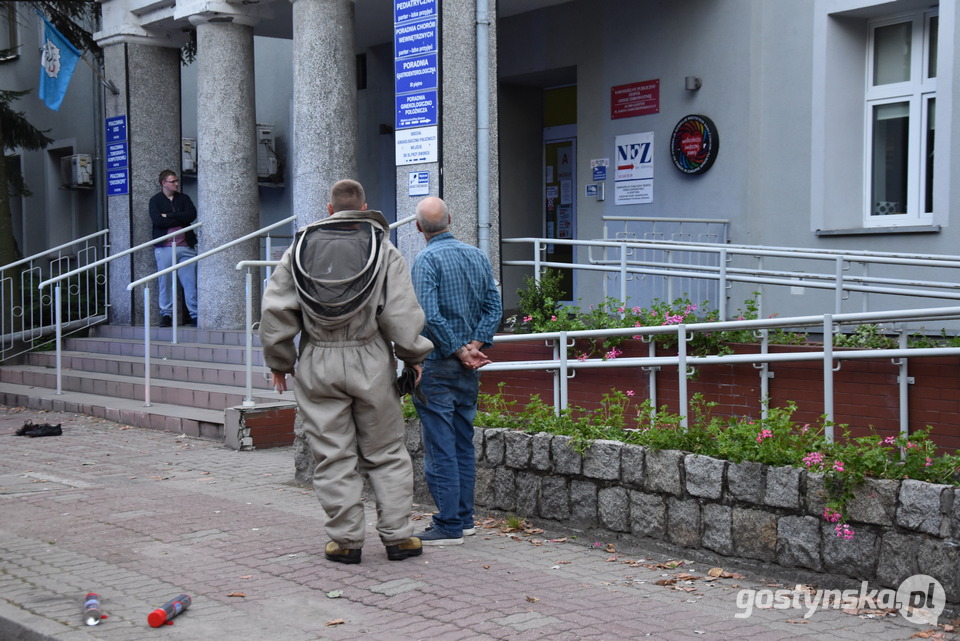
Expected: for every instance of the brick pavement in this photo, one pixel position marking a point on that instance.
(141, 516)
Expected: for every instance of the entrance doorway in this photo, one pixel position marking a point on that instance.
(559, 198)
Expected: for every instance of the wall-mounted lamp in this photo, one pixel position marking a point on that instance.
(691, 83)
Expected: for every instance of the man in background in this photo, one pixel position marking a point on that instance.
(458, 294)
(170, 210)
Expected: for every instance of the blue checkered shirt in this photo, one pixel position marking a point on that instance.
(456, 289)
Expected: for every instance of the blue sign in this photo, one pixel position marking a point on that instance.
(416, 74)
(415, 38)
(406, 10)
(118, 182)
(116, 128)
(417, 109)
(117, 155)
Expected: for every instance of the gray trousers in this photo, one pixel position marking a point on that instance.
(353, 424)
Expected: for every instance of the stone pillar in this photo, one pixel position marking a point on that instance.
(325, 128)
(148, 79)
(228, 194)
(455, 178)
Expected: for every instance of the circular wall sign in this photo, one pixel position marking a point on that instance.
(694, 144)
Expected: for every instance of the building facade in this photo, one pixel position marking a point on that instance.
(829, 123)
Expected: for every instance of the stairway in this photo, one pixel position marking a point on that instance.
(197, 385)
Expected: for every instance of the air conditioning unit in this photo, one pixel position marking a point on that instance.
(266, 152)
(188, 147)
(76, 171)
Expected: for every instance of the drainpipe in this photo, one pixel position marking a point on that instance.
(483, 129)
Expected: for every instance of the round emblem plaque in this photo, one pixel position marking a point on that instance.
(694, 144)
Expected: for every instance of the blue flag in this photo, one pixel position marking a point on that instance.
(57, 60)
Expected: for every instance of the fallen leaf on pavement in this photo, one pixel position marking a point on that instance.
(335, 622)
(611, 548)
(333, 594)
(798, 621)
(236, 594)
(532, 599)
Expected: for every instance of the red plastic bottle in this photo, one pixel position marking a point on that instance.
(170, 609)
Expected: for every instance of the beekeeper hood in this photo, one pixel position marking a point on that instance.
(336, 264)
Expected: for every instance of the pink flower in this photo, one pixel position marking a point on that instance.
(676, 319)
(629, 392)
(637, 337)
(637, 310)
(831, 515)
(690, 308)
(838, 466)
(613, 353)
(887, 441)
(804, 429)
(553, 318)
(621, 309)
(928, 463)
(813, 458)
(582, 357)
(763, 434)
(911, 445)
(844, 531)
(527, 319)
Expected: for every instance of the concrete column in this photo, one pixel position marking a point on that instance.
(455, 177)
(325, 126)
(148, 79)
(228, 195)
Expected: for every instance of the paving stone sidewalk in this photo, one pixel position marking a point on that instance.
(140, 516)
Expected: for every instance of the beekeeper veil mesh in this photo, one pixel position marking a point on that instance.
(335, 265)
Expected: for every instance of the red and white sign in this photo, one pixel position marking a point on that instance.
(635, 99)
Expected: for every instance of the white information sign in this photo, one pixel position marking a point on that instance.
(634, 169)
(417, 145)
(418, 184)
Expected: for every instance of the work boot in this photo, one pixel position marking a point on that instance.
(334, 552)
(401, 551)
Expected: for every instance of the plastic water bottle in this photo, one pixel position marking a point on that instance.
(91, 609)
(170, 609)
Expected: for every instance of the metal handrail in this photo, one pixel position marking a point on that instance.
(173, 268)
(560, 364)
(249, 324)
(29, 271)
(725, 275)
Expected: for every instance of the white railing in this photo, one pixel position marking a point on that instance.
(28, 318)
(563, 367)
(76, 273)
(250, 326)
(172, 269)
(639, 270)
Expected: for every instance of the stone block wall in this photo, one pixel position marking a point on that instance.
(742, 510)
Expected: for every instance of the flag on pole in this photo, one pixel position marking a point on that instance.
(57, 61)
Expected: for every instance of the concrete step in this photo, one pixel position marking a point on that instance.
(193, 421)
(174, 391)
(182, 371)
(196, 388)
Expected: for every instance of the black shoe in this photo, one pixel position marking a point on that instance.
(401, 551)
(192, 322)
(27, 427)
(45, 430)
(166, 321)
(334, 552)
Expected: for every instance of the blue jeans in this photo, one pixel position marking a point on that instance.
(187, 276)
(449, 460)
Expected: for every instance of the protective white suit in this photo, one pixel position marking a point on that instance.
(348, 290)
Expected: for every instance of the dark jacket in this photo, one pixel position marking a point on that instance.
(180, 212)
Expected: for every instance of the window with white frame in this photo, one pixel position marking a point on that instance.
(901, 100)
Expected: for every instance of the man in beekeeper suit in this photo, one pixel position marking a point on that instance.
(346, 290)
